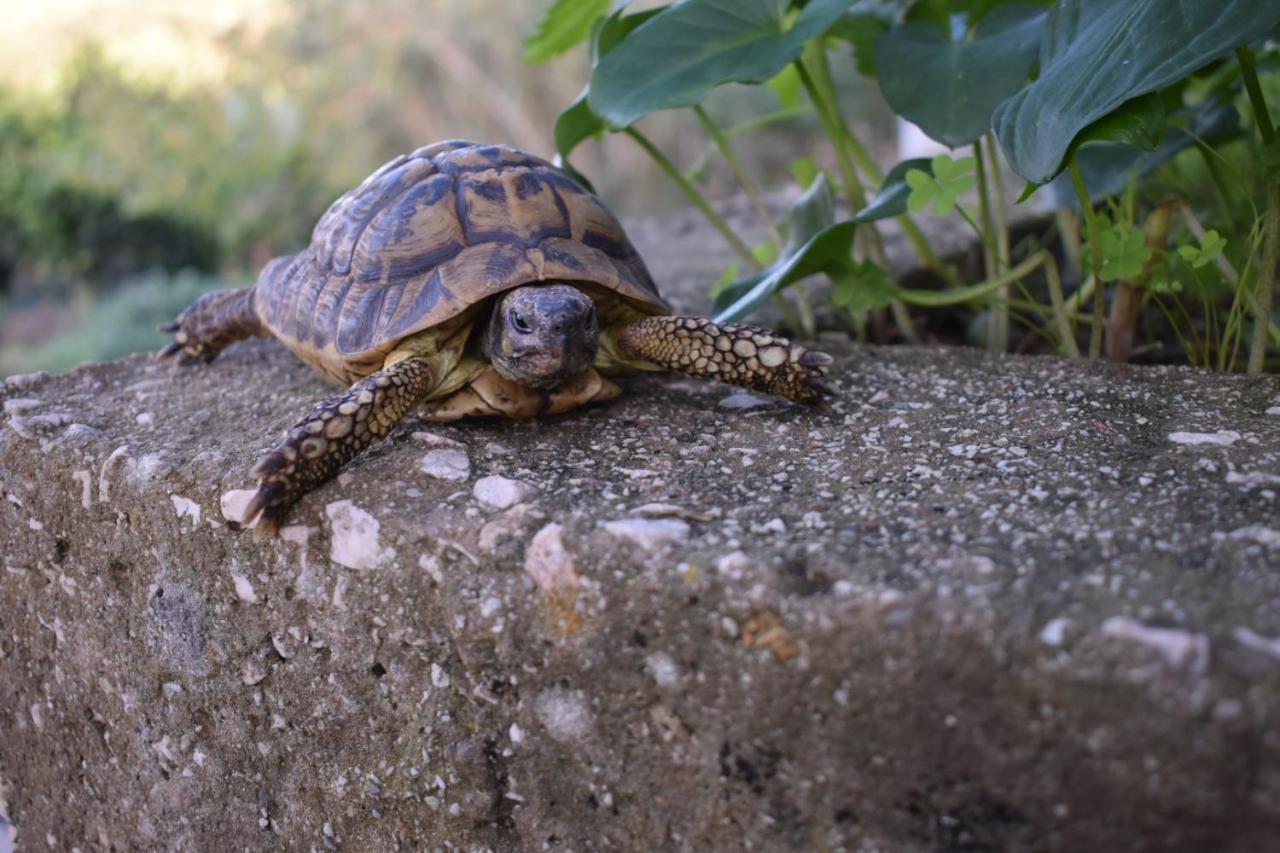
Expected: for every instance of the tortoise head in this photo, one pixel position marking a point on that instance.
(540, 335)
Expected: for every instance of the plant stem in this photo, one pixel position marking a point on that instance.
(851, 185)
(1095, 258)
(1271, 224)
(845, 136)
(956, 295)
(1266, 279)
(1126, 305)
(1066, 332)
(735, 165)
(716, 220)
(984, 212)
(1001, 213)
(999, 337)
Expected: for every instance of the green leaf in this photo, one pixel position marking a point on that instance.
(949, 180)
(1211, 246)
(788, 88)
(862, 27)
(565, 24)
(865, 287)
(1097, 54)
(1109, 167)
(827, 251)
(891, 199)
(804, 170)
(949, 86)
(579, 122)
(811, 212)
(1139, 122)
(1124, 250)
(691, 47)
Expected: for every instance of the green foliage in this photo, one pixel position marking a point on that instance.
(950, 178)
(1124, 250)
(566, 24)
(1209, 250)
(1097, 54)
(948, 83)
(111, 325)
(865, 287)
(892, 197)
(689, 48)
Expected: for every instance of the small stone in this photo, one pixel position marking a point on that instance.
(234, 503)
(447, 464)
(741, 400)
(439, 677)
(355, 537)
(1054, 631)
(1222, 438)
(146, 419)
(20, 405)
(651, 534)
(499, 492)
(253, 672)
(564, 714)
(244, 588)
(548, 562)
(517, 734)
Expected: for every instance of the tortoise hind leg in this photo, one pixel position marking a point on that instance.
(333, 434)
(212, 322)
(739, 354)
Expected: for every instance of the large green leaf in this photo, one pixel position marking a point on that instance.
(827, 251)
(579, 122)
(949, 86)
(862, 26)
(680, 55)
(1097, 54)
(891, 199)
(566, 23)
(1108, 167)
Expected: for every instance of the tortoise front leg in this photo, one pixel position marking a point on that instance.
(210, 323)
(739, 354)
(335, 431)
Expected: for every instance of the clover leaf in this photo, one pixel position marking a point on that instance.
(1211, 246)
(1124, 250)
(950, 178)
(865, 286)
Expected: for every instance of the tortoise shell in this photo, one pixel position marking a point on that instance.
(431, 234)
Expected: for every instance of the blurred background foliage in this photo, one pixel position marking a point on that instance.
(149, 149)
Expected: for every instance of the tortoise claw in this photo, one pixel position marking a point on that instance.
(167, 328)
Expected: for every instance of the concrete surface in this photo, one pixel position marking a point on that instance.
(980, 604)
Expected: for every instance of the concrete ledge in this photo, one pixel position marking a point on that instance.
(1004, 604)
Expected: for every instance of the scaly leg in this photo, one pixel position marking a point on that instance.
(738, 354)
(335, 431)
(210, 323)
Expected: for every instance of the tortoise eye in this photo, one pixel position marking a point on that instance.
(519, 323)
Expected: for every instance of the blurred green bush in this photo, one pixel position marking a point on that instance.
(108, 325)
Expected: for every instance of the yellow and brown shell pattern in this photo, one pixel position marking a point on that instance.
(432, 233)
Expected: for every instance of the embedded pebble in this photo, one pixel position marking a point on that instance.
(650, 534)
(1259, 643)
(1222, 438)
(740, 400)
(547, 561)
(244, 589)
(186, 508)
(20, 405)
(146, 419)
(664, 669)
(1178, 648)
(234, 503)
(564, 714)
(1054, 631)
(449, 464)
(499, 492)
(355, 537)
(1259, 533)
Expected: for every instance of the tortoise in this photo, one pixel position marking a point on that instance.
(467, 280)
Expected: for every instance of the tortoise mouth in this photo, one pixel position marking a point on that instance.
(541, 335)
